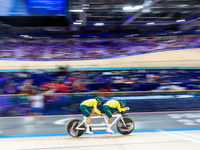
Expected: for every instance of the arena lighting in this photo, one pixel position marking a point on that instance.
(133, 8)
(76, 10)
(85, 7)
(168, 23)
(128, 8)
(149, 23)
(77, 23)
(180, 20)
(26, 36)
(99, 24)
(183, 5)
(146, 11)
(79, 20)
(138, 7)
(85, 4)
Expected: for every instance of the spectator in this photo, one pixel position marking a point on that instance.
(166, 86)
(26, 86)
(37, 105)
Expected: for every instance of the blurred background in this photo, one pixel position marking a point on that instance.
(144, 51)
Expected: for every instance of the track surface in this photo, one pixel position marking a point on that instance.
(161, 130)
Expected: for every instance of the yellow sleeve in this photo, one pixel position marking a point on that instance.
(95, 108)
(119, 108)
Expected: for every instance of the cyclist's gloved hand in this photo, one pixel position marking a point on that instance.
(127, 108)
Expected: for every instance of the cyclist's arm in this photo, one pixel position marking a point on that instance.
(95, 108)
(119, 108)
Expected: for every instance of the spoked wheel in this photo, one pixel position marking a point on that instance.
(130, 126)
(71, 128)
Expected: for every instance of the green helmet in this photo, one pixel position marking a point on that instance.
(122, 102)
(99, 99)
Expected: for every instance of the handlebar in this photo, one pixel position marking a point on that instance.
(123, 114)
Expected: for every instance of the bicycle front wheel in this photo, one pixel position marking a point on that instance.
(125, 130)
(71, 128)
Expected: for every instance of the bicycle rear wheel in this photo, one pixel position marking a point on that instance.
(125, 130)
(71, 128)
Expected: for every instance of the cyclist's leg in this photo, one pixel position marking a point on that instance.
(91, 110)
(108, 112)
(113, 111)
(87, 112)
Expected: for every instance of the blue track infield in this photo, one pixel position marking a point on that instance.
(96, 132)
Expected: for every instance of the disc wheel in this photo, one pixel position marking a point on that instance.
(125, 130)
(71, 128)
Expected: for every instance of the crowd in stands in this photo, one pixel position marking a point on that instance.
(99, 81)
(63, 90)
(89, 48)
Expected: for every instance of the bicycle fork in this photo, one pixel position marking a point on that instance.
(123, 121)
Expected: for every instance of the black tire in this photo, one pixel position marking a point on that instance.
(130, 126)
(71, 128)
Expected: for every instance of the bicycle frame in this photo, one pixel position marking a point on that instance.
(118, 116)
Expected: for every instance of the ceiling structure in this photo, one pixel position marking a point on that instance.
(123, 18)
(132, 12)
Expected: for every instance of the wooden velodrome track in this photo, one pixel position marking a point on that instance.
(175, 58)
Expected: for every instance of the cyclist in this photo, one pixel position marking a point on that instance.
(89, 108)
(110, 109)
